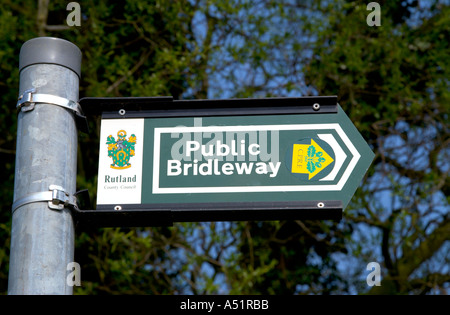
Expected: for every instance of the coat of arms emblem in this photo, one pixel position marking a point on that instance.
(121, 150)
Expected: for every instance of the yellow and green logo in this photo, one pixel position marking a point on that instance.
(308, 159)
(121, 150)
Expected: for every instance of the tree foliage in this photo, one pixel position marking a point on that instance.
(391, 80)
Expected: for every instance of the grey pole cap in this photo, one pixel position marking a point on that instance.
(50, 50)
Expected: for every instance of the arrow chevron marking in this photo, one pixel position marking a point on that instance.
(340, 155)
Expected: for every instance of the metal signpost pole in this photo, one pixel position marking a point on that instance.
(42, 237)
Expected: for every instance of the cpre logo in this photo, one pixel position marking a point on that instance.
(310, 158)
(121, 150)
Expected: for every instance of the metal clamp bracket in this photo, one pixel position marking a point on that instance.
(57, 198)
(29, 98)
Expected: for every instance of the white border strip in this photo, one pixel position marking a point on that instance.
(339, 157)
(234, 189)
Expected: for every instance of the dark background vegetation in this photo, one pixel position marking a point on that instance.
(392, 81)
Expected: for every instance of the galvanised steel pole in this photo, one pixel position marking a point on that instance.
(42, 237)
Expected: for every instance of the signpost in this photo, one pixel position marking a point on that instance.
(43, 234)
(241, 159)
(163, 161)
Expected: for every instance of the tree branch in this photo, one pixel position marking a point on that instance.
(414, 257)
(42, 14)
(141, 61)
(55, 28)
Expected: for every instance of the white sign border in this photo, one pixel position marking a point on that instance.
(235, 189)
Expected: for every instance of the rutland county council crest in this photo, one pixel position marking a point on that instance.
(121, 150)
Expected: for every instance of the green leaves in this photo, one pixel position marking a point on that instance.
(385, 77)
(379, 75)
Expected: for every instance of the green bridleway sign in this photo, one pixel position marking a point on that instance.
(244, 159)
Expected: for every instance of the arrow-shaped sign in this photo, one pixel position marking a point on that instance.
(287, 154)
